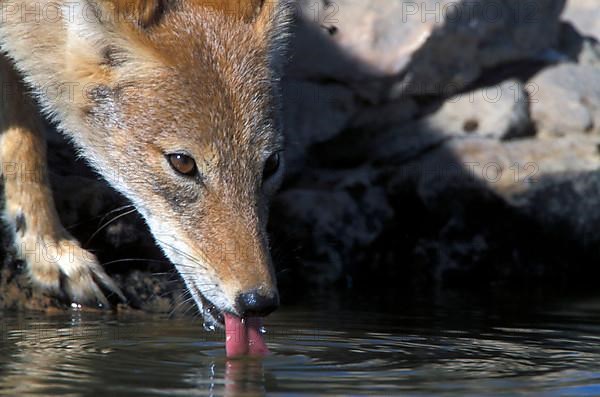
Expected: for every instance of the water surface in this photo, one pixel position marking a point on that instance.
(452, 350)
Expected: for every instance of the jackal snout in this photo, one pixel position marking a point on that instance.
(214, 229)
(232, 242)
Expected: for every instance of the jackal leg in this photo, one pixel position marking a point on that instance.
(55, 259)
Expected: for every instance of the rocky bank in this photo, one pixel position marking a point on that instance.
(429, 143)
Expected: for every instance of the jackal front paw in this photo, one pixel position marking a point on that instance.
(61, 266)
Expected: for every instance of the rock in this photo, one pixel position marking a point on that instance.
(565, 99)
(438, 47)
(331, 225)
(486, 200)
(590, 53)
(392, 144)
(567, 206)
(585, 15)
(396, 112)
(497, 112)
(500, 111)
(475, 35)
(579, 49)
(313, 113)
(363, 52)
(508, 169)
(379, 36)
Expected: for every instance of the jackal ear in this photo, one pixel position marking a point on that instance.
(143, 13)
(272, 22)
(271, 15)
(246, 10)
(101, 35)
(263, 13)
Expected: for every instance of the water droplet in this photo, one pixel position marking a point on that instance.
(262, 330)
(209, 326)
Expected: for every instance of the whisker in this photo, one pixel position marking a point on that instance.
(283, 271)
(103, 216)
(191, 307)
(134, 260)
(177, 308)
(169, 273)
(190, 301)
(108, 223)
(184, 254)
(124, 207)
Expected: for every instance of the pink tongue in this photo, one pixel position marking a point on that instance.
(243, 336)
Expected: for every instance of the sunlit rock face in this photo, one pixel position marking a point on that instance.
(584, 15)
(424, 47)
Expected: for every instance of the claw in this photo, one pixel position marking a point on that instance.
(104, 280)
(86, 292)
(78, 277)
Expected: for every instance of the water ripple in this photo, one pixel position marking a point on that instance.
(313, 353)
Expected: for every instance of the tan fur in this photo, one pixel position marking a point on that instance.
(137, 80)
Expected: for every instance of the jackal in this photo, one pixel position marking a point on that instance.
(179, 96)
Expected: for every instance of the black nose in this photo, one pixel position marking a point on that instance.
(255, 303)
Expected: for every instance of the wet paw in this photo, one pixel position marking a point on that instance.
(61, 266)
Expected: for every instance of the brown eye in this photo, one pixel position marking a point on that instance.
(271, 165)
(182, 163)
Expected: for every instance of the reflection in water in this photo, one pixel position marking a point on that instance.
(241, 377)
(450, 352)
(244, 377)
(38, 353)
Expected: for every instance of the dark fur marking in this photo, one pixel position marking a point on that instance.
(178, 195)
(156, 16)
(103, 94)
(111, 57)
(100, 93)
(101, 102)
(21, 223)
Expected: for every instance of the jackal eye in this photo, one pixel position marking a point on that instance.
(271, 165)
(182, 163)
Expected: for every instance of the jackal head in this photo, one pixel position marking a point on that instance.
(174, 103)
